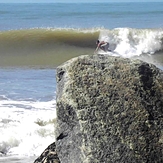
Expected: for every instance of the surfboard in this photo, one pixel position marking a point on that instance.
(111, 53)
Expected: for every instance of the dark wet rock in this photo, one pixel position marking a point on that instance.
(49, 155)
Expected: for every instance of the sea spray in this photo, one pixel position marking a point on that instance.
(133, 42)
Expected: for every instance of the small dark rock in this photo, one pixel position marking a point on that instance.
(49, 155)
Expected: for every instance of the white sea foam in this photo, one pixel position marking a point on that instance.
(133, 42)
(26, 132)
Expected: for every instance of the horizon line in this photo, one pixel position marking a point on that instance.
(86, 2)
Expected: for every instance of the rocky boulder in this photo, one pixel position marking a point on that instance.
(110, 110)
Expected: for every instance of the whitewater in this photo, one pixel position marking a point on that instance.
(27, 112)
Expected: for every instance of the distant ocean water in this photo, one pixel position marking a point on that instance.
(35, 38)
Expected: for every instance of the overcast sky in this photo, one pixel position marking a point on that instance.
(68, 1)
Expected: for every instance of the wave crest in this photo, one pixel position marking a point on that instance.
(53, 46)
(134, 42)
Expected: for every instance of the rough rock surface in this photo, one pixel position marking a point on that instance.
(49, 155)
(110, 110)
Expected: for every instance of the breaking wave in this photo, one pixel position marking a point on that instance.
(48, 46)
(134, 42)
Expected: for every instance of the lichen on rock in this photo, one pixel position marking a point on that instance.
(111, 110)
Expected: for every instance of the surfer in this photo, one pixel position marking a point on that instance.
(102, 45)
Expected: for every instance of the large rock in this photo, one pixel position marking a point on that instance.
(110, 110)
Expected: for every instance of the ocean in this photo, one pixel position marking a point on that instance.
(36, 38)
